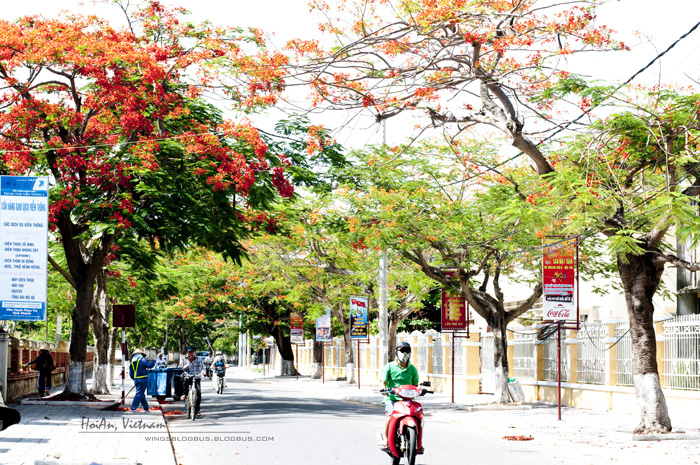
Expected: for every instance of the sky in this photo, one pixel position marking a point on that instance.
(661, 22)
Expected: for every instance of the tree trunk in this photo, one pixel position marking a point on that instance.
(393, 325)
(500, 357)
(640, 278)
(349, 355)
(75, 382)
(114, 335)
(99, 322)
(286, 351)
(316, 363)
(165, 342)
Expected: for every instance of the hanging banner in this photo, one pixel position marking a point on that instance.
(323, 328)
(358, 318)
(296, 323)
(558, 278)
(24, 229)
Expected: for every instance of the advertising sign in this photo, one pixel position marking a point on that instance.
(358, 318)
(323, 327)
(454, 310)
(24, 229)
(296, 323)
(558, 276)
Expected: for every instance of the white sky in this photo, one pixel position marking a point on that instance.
(662, 21)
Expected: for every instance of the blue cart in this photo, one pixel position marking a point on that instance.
(163, 383)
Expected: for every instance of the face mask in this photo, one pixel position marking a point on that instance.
(403, 357)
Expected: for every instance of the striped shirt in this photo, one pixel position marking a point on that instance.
(195, 367)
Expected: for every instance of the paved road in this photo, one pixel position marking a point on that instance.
(293, 423)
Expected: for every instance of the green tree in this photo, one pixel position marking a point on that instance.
(635, 178)
(112, 116)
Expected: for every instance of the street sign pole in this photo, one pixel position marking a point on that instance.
(559, 367)
(123, 361)
(123, 316)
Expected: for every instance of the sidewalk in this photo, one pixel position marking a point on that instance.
(56, 433)
(582, 436)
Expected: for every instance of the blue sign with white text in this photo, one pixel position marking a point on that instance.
(24, 220)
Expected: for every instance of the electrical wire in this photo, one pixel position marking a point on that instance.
(589, 110)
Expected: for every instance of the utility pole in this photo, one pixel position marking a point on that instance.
(383, 299)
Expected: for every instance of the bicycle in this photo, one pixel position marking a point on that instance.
(192, 398)
(220, 387)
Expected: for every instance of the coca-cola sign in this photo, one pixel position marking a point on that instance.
(559, 278)
(560, 314)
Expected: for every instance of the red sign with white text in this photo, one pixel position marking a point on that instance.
(559, 278)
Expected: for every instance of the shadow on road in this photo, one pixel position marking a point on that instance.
(248, 399)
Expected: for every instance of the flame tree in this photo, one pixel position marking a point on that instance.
(114, 117)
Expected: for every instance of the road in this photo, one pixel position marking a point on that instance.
(275, 422)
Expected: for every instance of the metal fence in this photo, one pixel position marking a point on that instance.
(624, 354)
(524, 355)
(682, 353)
(437, 354)
(460, 368)
(550, 358)
(590, 353)
(422, 352)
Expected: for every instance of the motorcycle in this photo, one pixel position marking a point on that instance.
(405, 433)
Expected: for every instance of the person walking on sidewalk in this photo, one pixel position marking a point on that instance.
(193, 365)
(137, 370)
(44, 364)
(397, 373)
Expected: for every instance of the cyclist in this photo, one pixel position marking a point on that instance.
(218, 369)
(192, 365)
(397, 373)
(207, 363)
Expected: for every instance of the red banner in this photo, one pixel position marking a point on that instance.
(559, 278)
(454, 310)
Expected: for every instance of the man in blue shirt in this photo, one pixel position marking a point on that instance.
(137, 370)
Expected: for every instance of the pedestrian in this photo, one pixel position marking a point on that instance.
(44, 365)
(161, 361)
(137, 371)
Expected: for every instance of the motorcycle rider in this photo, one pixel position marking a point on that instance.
(193, 365)
(218, 366)
(397, 373)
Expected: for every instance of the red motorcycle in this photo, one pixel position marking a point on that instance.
(405, 433)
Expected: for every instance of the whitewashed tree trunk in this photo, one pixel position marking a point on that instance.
(287, 368)
(652, 404)
(350, 372)
(75, 383)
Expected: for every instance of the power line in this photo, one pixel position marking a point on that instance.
(586, 112)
